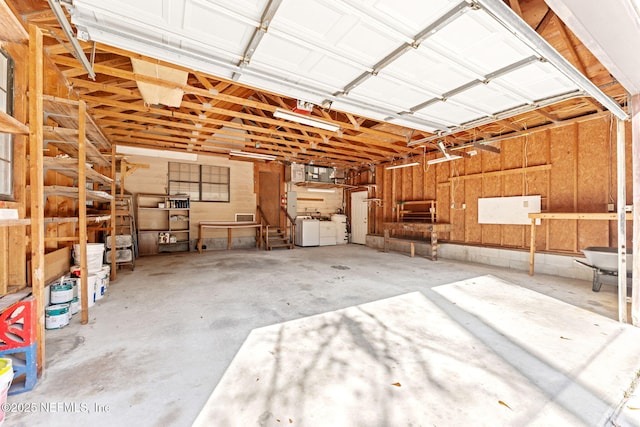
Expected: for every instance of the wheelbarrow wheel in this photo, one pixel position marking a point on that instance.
(597, 284)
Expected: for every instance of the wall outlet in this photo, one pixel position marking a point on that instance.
(611, 207)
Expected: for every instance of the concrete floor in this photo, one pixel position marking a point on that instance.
(178, 336)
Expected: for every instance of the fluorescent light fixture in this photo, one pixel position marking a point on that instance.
(305, 120)
(404, 165)
(150, 152)
(252, 155)
(443, 159)
(321, 190)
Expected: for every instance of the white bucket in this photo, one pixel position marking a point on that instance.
(61, 292)
(6, 377)
(91, 286)
(74, 306)
(107, 275)
(101, 283)
(56, 316)
(95, 253)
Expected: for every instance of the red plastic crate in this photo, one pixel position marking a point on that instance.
(17, 325)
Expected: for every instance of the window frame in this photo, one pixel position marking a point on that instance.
(201, 170)
(9, 105)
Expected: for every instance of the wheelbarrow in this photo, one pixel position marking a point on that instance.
(604, 262)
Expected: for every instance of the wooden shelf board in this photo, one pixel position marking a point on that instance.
(66, 140)
(69, 167)
(65, 113)
(59, 190)
(8, 124)
(13, 222)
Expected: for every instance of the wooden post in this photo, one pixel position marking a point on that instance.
(114, 219)
(386, 240)
(532, 246)
(635, 142)
(36, 179)
(82, 212)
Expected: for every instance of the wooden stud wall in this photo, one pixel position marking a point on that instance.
(571, 166)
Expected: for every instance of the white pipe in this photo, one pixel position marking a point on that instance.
(622, 223)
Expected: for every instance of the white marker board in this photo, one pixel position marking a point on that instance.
(507, 210)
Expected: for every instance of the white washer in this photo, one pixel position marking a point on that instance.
(307, 231)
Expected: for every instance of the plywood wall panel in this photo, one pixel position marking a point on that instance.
(474, 164)
(593, 233)
(562, 236)
(472, 230)
(563, 149)
(594, 173)
(492, 186)
(511, 152)
(536, 183)
(513, 236)
(575, 153)
(536, 148)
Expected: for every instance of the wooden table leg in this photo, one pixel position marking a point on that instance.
(532, 246)
(386, 240)
(434, 245)
(229, 238)
(200, 240)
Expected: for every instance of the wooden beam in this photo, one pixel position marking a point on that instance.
(36, 146)
(573, 54)
(114, 218)
(82, 212)
(500, 173)
(515, 5)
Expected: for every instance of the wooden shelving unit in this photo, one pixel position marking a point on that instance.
(163, 223)
(73, 132)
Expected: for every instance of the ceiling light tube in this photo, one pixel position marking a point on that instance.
(305, 120)
(404, 165)
(252, 155)
(321, 190)
(443, 159)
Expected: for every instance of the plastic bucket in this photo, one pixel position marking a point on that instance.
(95, 253)
(61, 292)
(56, 316)
(6, 377)
(91, 287)
(101, 283)
(74, 306)
(106, 269)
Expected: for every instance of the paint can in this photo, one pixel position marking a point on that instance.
(106, 268)
(75, 270)
(74, 306)
(61, 292)
(95, 253)
(101, 283)
(91, 287)
(6, 377)
(56, 316)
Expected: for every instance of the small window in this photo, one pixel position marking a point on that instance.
(6, 140)
(203, 183)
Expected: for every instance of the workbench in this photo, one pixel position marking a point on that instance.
(202, 225)
(432, 228)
